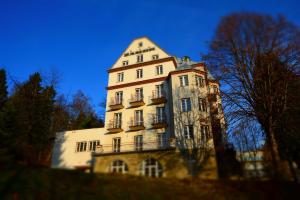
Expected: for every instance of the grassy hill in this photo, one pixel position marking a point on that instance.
(43, 184)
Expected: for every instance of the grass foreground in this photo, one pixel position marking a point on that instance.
(42, 183)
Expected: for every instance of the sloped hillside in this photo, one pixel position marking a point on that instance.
(37, 183)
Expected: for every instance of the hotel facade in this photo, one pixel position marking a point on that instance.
(163, 118)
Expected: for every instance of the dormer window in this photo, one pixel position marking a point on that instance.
(125, 63)
(140, 58)
(154, 57)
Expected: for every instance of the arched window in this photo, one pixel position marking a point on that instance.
(151, 168)
(119, 166)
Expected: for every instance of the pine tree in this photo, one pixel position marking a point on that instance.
(6, 123)
(3, 88)
(33, 135)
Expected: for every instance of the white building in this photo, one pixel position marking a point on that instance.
(155, 103)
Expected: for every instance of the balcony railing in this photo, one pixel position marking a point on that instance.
(114, 126)
(116, 104)
(136, 101)
(148, 145)
(158, 97)
(136, 125)
(158, 122)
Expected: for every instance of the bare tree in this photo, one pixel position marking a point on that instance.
(193, 136)
(247, 138)
(255, 57)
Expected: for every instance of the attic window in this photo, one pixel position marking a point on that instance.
(125, 63)
(140, 58)
(140, 44)
(155, 57)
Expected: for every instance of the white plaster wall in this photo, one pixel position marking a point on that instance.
(64, 151)
(133, 47)
(193, 92)
(149, 72)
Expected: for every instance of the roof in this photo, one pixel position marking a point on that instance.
(186, 63)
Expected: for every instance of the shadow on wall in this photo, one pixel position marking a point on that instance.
(193, 137)
(58, 151)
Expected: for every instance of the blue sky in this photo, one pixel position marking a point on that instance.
(81, 39)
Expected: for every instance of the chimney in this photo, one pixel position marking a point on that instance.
(186, 59)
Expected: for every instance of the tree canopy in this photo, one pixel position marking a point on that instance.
(257, 59)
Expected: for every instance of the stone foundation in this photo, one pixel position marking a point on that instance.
(172, 163)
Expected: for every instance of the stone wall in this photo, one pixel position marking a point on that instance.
(172, 162)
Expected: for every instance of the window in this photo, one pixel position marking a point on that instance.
(93, 145)
(202, 104)
(151, 168)
(138, 142)
(121, 77)
(186, 104)
(117, 120)
(119, 166)
(81, 146)
(160, 113)
(184, 81)
(159, 91)
(199, 81)
(205, 132)
(160, 140)
(116, 145)
(140, 44)
(125, 63)
(155, 57)
(138, 117)
(119, 97)
(159, 69)
(188, 132)
(139, 58)
(139, 73)
(139, 94)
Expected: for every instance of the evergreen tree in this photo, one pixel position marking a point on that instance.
(6, 123)
(33, 136)
(3, 88)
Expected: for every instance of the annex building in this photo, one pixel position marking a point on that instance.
(163, 119)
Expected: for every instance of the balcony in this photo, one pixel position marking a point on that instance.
(158, 122)
(136, 101)
(116, 104)
(114, 126)
(149, 145)
(158, 97)
(136, 125)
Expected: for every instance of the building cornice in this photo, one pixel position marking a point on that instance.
(136, 83)
(187, 70)
(143, 64)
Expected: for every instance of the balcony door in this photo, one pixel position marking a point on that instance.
(116, 145)
(138, 117)
(117, 120)
(160, 113)
(139, 94)
(119, 97)
(159, 90)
